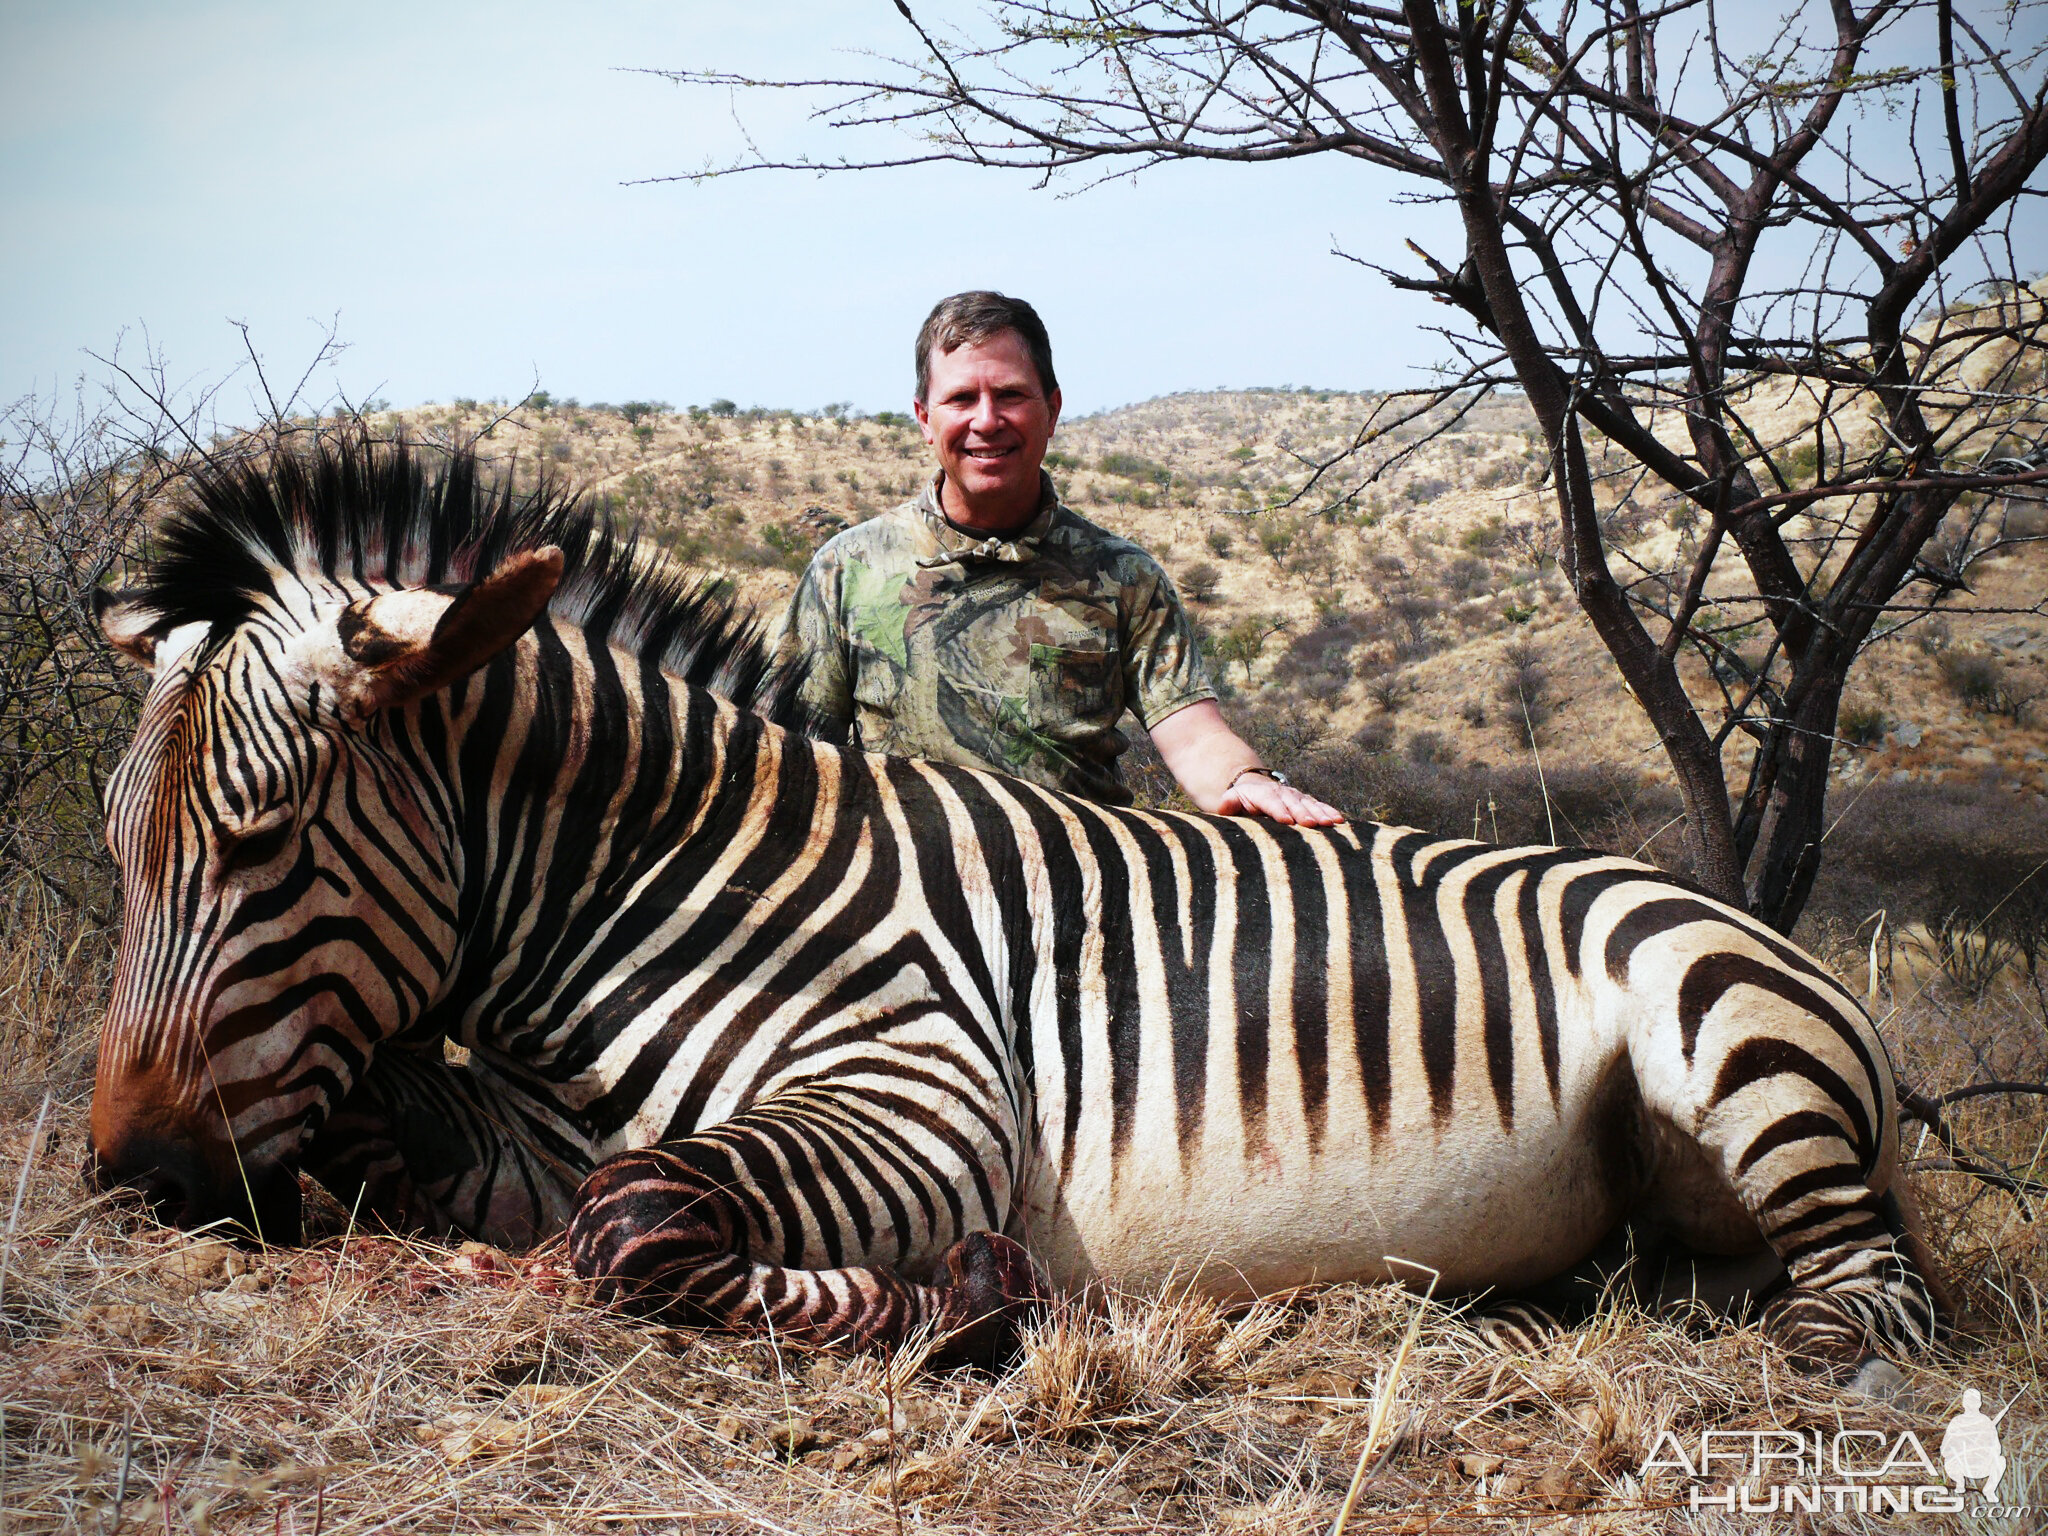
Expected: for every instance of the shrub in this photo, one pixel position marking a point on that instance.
(1276, 535)
(1972, 677)
(1482, 538)
(1200, 581)
(1424, 747)
(790, 547)
(1219, 541)
(1374, 736)
(1862, 725)
(1951, 857)
(1524, 688)
(1468, 576)
(1412, 611)
(1283, 733)
(1132, 466)
(1389, 690)
(1612, 810)
(1986, 684)
(1245, 641)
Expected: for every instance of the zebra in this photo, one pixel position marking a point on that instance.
(785, 1035)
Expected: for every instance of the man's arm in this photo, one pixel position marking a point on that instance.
(1223, 775)
(813, 637)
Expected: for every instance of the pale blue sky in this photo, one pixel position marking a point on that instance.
(449, 178)
(451, 182)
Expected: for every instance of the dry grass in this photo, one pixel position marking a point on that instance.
(154, 1380)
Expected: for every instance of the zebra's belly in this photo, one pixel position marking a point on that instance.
(1474, 1202)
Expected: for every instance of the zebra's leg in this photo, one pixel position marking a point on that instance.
(1784, 1148)
(424, 1145)
(1517, 1327)
(671, 1232)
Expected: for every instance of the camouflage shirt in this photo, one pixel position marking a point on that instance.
(1018, 654)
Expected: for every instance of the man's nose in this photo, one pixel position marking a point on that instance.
(985, 417)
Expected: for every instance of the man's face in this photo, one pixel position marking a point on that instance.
(989, 421)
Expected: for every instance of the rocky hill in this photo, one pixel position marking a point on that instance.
(1422, 615)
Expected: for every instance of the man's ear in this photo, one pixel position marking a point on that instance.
(401, 646)
(127, 623)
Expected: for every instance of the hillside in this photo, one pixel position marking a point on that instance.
(366, 1382)
(1423, 617)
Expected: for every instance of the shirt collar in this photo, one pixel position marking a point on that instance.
(967, 548)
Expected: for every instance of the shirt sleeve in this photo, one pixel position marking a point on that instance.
(814, 638)
(1163, 667)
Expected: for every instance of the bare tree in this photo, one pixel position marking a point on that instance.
(76, 486)
(81, 482)
(1759, 269)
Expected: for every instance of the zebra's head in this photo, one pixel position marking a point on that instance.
(288, 873)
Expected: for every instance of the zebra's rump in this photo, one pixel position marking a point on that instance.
(1255, 1055)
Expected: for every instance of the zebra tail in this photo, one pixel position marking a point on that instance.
(1908, 1226)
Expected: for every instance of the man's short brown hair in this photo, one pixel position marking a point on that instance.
(968, 319)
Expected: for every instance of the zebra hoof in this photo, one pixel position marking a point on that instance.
(995, 1290)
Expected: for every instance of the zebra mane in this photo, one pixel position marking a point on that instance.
(375, 514)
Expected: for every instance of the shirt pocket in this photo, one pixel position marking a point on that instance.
(1075, 690)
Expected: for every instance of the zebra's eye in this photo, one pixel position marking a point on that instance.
(258, 848)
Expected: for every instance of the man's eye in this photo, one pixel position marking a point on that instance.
(258, 848)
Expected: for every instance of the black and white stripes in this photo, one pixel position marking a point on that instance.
(784, 1033)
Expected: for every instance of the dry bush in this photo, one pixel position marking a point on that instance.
(1966, 864)
(1201, 580)
(73, 498)
(1576, 807)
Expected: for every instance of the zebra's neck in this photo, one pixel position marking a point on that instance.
(586, 791)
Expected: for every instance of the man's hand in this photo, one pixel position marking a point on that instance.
(1223, 775)
(1257, 795)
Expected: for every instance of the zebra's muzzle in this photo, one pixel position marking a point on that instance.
(256, 1201)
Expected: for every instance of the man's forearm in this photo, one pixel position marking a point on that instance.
(1203, 752)
(1223, 775)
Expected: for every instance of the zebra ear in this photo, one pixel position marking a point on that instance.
(402, 646)
(128, 623)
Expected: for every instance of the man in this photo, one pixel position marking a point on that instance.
(986, 624)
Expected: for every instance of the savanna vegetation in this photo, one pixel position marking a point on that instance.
(1416, 656)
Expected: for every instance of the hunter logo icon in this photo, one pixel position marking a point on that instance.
(1969, 1447)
